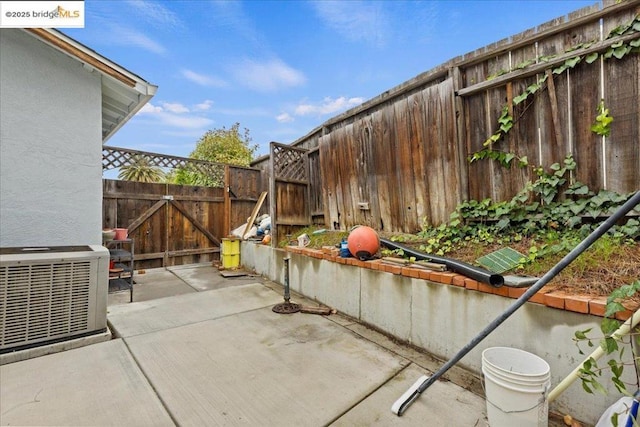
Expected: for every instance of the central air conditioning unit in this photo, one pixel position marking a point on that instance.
(53, 294)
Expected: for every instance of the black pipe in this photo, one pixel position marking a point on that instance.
(568, 259)
(476, 273)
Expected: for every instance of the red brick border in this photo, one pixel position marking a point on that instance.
(577, 303)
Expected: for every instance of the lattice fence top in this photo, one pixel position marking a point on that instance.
(289, 162)
(114, 157)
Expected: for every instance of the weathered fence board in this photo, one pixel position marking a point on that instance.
(316, 206)
(622, 161)
(404, 152)
(175, 224)
(418, 137)
(289, 188)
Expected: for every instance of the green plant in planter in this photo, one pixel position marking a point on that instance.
(591, 372)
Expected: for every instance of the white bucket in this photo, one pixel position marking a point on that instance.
(516, 386)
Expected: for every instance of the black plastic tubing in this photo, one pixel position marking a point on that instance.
(476, 273)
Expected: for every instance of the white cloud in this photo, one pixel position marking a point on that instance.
(230, 16)
(156, 13)
(203, 106)
(175, 115)
(284, 118)
(149, 108)
(202, 79)
(175, 107)
(355, 20)
(255, 112)
(129, 37)
(328, 106)
(185, 122)
(268, 76)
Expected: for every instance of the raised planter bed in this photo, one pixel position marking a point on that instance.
(441, 312)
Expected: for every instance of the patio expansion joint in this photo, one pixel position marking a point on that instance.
(116, 334)
(153, 387)
(391, 377)
(182, 280)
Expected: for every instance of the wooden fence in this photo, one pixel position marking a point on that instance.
(402, 157)
(175, 224)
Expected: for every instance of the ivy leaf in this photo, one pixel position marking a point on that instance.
(523, 161)
(616, 368)
(613, 308)
(619, 385)
(572, 62)
(505, 119)
(616, 31)
(578, 207)
(509, 157)
(603, 121)
(621, 51)
(582, 335)
(591, 57)
(520, 98)
(533, 88)
(610, 345)
(560, 69)
(581, 190)
(503, 223)
(599, 388)
(573, 221)
(506, 127)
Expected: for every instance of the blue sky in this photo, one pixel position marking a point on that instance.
(282, 68)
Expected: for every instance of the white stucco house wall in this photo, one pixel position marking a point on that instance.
(59, 102)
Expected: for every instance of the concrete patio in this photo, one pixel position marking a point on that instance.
(195, 348)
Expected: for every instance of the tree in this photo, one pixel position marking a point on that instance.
(227, 146)
(140, 169)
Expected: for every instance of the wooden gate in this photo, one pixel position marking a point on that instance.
(289, 190)
(171, 224)
(175, 224)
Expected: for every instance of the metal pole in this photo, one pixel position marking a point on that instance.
(286, 307)
(287, 295)
(568, 259)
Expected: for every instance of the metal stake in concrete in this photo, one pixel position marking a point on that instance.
(286, 307)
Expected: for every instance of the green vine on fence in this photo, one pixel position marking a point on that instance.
(540, 208)
(602, 125)
(506, 121)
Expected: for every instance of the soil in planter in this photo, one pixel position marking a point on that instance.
(593, 273)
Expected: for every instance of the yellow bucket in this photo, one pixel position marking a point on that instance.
(230, 253)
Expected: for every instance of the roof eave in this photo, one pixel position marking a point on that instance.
(135, 89)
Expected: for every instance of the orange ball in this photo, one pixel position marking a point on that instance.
(363, 242)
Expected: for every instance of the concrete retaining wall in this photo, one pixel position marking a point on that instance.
(441, 319)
